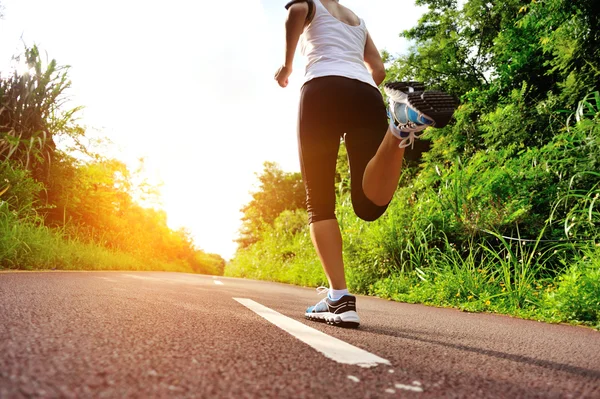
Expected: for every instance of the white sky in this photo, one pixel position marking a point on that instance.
(189, 86)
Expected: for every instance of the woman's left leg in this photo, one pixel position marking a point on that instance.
(375, 159)
(383, 171)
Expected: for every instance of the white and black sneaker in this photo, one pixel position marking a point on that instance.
(412, 109)
(341, 312)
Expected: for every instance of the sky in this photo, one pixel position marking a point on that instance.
(188, 86)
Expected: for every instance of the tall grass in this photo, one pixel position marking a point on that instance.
(519, 265)
(26, 244)
(284, 254)
(31, 114)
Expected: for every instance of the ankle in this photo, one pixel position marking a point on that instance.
(396, 132)
(337, 294)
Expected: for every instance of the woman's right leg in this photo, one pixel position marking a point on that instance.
(318, 143)
(327, 240)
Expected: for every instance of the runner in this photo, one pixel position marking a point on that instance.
(340, 99)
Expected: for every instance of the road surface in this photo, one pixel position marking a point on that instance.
(141, 334)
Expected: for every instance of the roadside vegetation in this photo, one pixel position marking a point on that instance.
(502, 212)
(65, 206)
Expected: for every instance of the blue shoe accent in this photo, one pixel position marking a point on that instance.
(398, 133)
(405, 114)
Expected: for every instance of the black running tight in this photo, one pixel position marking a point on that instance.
(331, 108)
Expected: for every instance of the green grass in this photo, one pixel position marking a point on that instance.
(571, 297)
(26, 245)
(417, 253)
(285, 254)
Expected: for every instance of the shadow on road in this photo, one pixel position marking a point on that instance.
(588, 373)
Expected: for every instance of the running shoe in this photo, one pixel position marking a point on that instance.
(412, 110)
(341, 313)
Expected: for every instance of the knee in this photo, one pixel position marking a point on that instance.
(370, 213)
(369, 217)
(314, 217)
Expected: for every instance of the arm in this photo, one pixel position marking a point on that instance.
(294, 25)
(373, 61)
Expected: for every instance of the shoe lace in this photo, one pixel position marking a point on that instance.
(407, 131)
(322, 290)
(410, 129)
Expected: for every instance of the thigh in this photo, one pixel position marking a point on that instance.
(366, 130)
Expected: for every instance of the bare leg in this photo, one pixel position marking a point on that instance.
(327, 239)
(382, 174)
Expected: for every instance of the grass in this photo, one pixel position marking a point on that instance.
(284, 254)
(416, 256)
(26, 245)
(474, 279)
(572, 296)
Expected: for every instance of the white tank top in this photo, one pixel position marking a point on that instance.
(334, 48)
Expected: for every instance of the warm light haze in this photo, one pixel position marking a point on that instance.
(188, 86)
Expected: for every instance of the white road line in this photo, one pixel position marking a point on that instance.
(143, 277)
(331, 347)
(217, 282)
(184, 280)
(409, 387)
(109, 279)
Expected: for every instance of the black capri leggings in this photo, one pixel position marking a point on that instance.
(333, 107)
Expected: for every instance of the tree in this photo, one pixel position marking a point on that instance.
(278, 191)
(515, 63)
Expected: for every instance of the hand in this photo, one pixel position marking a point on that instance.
(282, 75)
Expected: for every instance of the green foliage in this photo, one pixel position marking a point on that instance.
(32, 115)
(62, 211)
(577, 297)
(18, 190)
(283, 253)
(25, 244)
(519, 264)
(278, 191)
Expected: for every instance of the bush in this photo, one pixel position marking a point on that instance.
(577, 297)
(18, 190)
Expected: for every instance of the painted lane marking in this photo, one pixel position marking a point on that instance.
(217, 282)
(185, 280)
(330, 347)
(109, 279)
(353, 378)
(390, 390)
(143, 277)
(409, 387)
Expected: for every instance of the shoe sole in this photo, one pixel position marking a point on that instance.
(395, 90)
(347, 319)
(436, 105)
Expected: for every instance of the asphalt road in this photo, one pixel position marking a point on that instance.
(129, 334)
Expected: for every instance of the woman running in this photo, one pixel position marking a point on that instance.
(340, 99)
